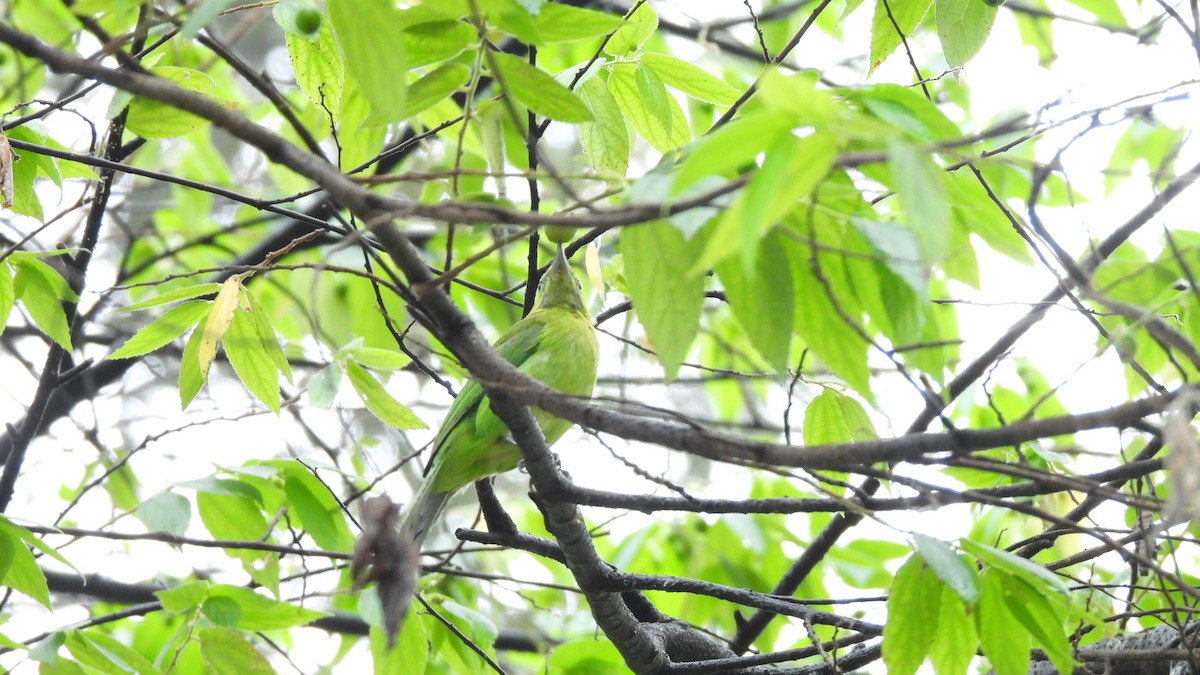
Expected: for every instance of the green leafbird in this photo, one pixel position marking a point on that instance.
(556, 344)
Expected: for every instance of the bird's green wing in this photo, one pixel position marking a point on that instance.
(515, 345)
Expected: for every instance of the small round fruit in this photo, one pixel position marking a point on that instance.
(308, 21)
(559, 234)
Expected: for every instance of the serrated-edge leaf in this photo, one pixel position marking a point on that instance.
(537, 90)
(955, 642)
(912, 619)
(665, 296)
(251, 361)
(823, 421)
(637, 28)
(918, 185)
(166, 512)
(266, 335)
(186, 293)
(320, 73)
(623, 84)
(1003, 639)
(371, 35)
(951, 568)
(226, 652)
(963, 27)
(379, 401)
(162, 330)
(605, 140)
(690, 79)
(43, 304)
(435, 86)
(7, 295)
(1015, 565)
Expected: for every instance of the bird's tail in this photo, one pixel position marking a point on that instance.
(425, 508)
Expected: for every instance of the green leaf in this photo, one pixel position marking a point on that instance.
(371, 35)
(320, 72)
(906, 14)
(251, 361)
(917, 181)
(818, 323)
(434, 41)
(637, 28)
(152, 119)
(605, 139)
(834, 417)
(22, 573)
(653, 94)
(1005, 642)
(665, 295)
(899, 250)
(623, 83)
(41, 298)
(557, 22)
(225, 652)
(317, 520)
(205, 12)
(690, 79)
(907, 110)
(761, 299)
(266, 335)
(223, 612)
(912, 618)
(954, 571)
(190, 377)
(1033, 610)
(791, 170)
(955, 642)
(166, 512)
(963, 26)
(729, 148)
(231, 516)
(258, 612)
(1016, 566)
(7, 295)
(537, 90)
(163, 330)
(435, 86)
(323, 387)
(585, 656)
(185, 293)
(184, 596)
(379, 359)
(106, 654)
(379, 401)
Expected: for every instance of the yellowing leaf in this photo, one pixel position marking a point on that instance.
(218, 322)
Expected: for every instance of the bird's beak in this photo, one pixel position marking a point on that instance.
(560, 265)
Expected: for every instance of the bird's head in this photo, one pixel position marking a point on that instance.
(559, 287)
